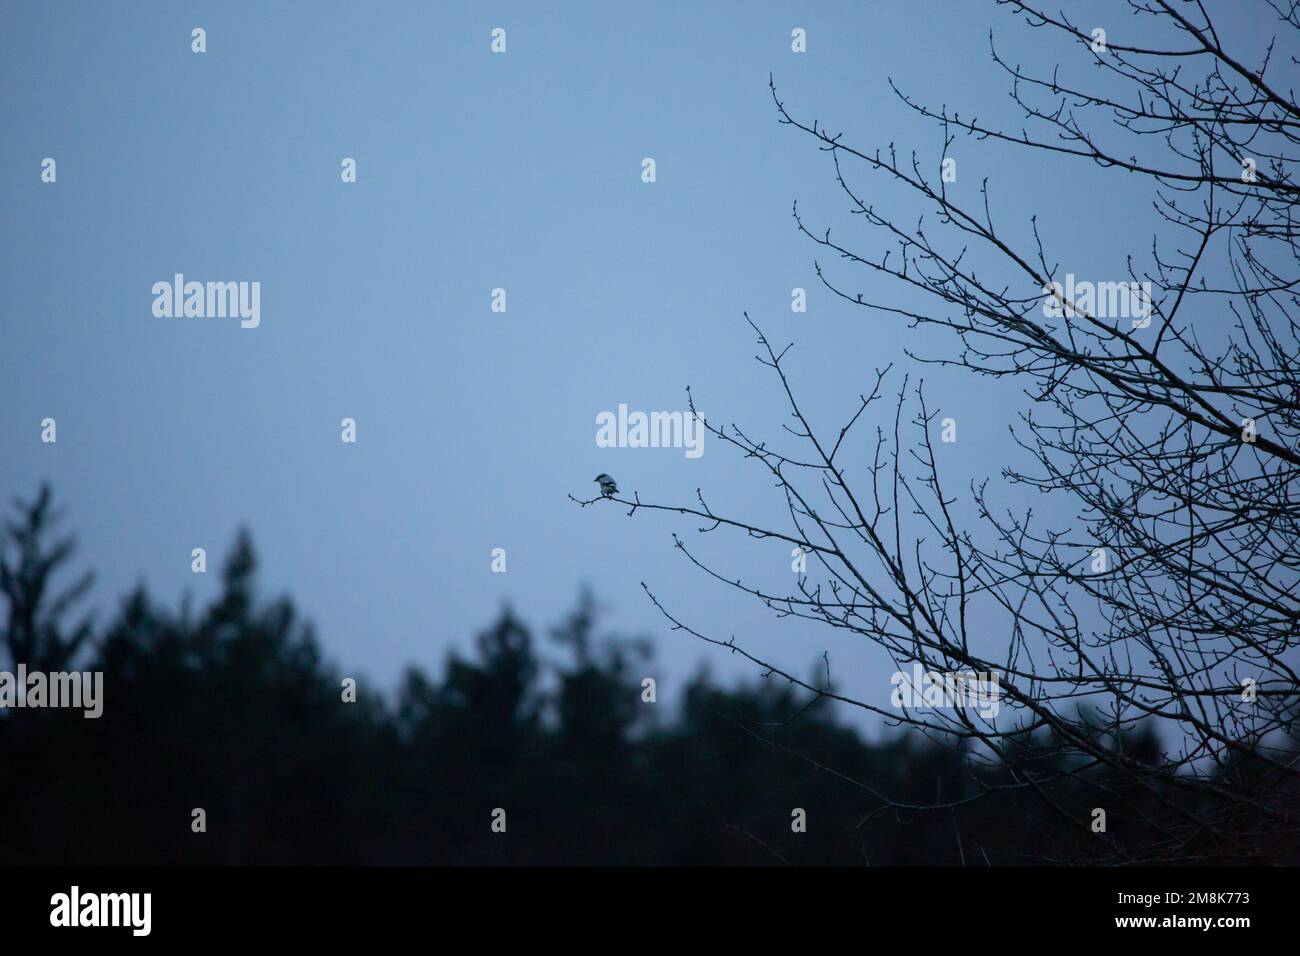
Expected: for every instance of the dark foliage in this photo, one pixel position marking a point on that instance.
(234, 710)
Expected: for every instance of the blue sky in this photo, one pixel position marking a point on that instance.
(475, 171)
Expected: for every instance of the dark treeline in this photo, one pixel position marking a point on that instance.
(232, 709)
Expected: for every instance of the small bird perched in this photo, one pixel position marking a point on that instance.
(607, 486)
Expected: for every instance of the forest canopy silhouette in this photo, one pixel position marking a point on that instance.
(231, 708)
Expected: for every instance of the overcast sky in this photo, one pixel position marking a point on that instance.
(475, 171)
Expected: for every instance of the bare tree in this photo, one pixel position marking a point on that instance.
(1170, 598)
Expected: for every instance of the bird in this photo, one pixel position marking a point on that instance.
(607, 486)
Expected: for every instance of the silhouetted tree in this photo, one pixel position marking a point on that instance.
(35, 633)
(231, 708)
(1169, 591)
